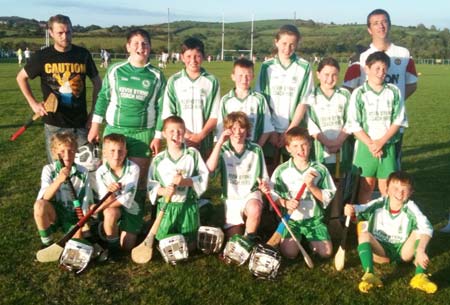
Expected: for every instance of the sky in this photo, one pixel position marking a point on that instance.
(125, 12)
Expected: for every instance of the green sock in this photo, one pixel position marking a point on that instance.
(46, 235)
(366, 256)
(419, 268)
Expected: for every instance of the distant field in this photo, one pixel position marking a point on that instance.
(205, 279)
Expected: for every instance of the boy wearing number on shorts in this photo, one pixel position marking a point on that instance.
(180, 174)
(376, 113)
(397, 231)
(119, 175)
(54, 205)
(241, 165)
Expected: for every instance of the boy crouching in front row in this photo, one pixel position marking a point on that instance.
(120, 176)
(397, 231)
(54, 205)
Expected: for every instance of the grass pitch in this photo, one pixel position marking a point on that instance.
(205, 279)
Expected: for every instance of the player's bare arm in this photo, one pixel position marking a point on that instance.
(24, 85)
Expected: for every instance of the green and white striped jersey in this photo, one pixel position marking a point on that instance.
(327, 116)
(285, 88)
(374, 112)
(240, 172)
(163, 168)
(394, 229)
(287, 180)
(256, 108)
(130, 96)
(79, 176)
(194, 100)
(129, 180)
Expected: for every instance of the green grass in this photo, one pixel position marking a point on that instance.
(205, 279)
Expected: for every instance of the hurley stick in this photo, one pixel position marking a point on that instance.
(53, 252)
(50, 105)
(306, 257)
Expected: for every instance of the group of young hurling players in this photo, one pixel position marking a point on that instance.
(254, 128)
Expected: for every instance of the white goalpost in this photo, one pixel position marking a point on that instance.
(249, 51)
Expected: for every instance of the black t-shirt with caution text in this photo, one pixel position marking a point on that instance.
(64, 74)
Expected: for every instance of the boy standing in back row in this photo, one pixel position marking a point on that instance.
(376, 112)
(193, 94)
(402, 69)
(243, 98)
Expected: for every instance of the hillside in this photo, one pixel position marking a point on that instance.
(339, 40)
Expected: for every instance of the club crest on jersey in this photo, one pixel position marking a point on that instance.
(398, 61)
(146, 83)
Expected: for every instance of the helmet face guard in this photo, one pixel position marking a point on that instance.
(210, 239)
(76, 256)
(173, 249)
(264, 262)
(88, 156)
(237, 249)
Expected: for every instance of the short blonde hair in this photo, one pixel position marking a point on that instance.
(66, 138)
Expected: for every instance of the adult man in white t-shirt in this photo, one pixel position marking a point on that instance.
(402, 70)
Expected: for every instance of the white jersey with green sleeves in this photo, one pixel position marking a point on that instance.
(128, 179)
(79, 176)
(163, 169)
(394, 229)
(240, 172)
(130, 96)
(327, 115)
(287, 180)
(194, 100)
(374, 112)
(254, 105)
(285, 88)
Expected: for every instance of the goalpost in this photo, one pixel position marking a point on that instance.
(249, 51)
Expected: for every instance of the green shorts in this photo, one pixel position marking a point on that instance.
(180, 218)
(393, 251)
(374, 167)
(138, 140)
(65, 218)
(131, 223)
(313, 229)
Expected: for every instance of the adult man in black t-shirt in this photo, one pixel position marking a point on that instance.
(62, 68)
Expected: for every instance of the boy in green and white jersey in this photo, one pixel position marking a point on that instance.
(130, 100)
(327, 115)
(241, 165)
(286, 81)
(193, 94)
(178, 173)
(397, 231)
(54, 204)
(120, 176)
(308, 213)
(252, 103)
(376, 113)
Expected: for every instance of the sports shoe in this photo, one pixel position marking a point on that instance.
(369, 281)
(420, 281)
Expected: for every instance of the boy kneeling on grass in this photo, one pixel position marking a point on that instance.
(54, 205)
(307, 213)
(397, 231)
(120, 176)
(241, 164)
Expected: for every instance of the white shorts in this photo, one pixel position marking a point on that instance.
(234, 209)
